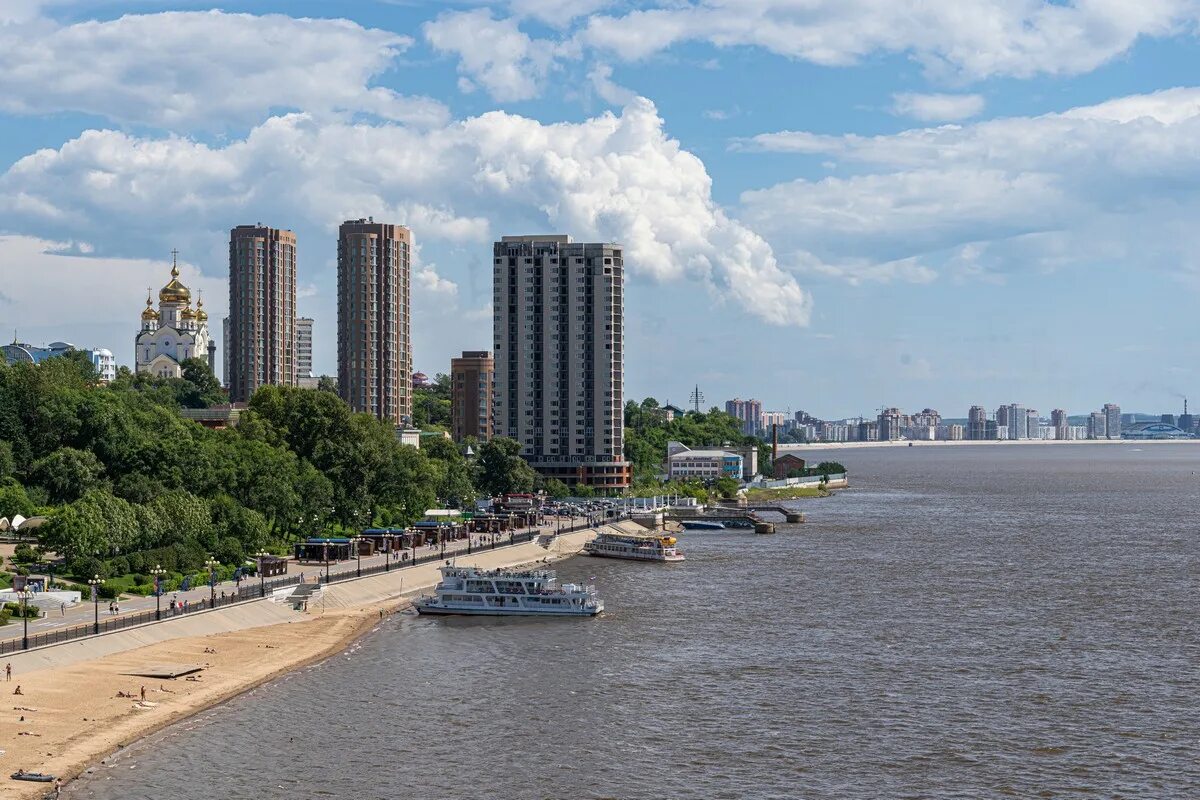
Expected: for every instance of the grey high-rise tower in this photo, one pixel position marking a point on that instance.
(374, 328)
(559, 351)
(262, 309)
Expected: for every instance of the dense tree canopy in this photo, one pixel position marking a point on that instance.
(431, 405)
(647, 433)
(126, 480)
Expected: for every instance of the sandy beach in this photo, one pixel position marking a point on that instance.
(71, 712)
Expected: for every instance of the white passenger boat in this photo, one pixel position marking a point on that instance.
(634, 546)
(508, 593)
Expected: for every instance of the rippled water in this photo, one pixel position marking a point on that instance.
(965, 622)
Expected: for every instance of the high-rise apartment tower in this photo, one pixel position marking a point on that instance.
(559, 350)
(1112, 420)
(472, 379)
(374, 328)
(262, 309)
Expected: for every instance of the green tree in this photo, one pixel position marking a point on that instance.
(199, 387)
(97, 524)
(557, 489)
(8, 464)
(727, 487)
(14, 500)
(501, 470)
(455, 487)
(66, 474)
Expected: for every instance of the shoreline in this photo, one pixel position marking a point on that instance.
(74, 719)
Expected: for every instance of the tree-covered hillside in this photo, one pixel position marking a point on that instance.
(127, 482)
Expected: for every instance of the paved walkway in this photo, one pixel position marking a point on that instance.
(85, 612)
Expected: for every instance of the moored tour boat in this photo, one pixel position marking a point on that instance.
(634, 546)
(508, 593)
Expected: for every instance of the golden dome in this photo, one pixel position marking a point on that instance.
(175, 292)
(201, 314)
(149, 314)
(187, 313)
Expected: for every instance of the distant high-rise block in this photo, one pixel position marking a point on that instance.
(304, 347)
(1058, 420)
(977, 423)
(748, 411)
(559, 351)
(374, 326)
(472, 380)
(262, 309)
(1112, 420)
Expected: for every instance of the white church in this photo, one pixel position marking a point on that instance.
(175, 332)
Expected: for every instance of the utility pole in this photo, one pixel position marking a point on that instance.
(697, 397)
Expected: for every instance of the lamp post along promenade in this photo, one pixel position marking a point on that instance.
(158, 572)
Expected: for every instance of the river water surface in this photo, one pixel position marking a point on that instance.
(966, 622)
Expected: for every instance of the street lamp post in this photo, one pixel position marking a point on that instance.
(262, 578)
(158, 572)
(326, 551)
(356, 543)
(387, 553)
(95, 582)
(25, 616)
(212, 565)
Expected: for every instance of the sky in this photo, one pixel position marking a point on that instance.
(828, 205)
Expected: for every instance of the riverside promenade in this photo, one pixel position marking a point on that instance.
(70, 713)
(88, 616)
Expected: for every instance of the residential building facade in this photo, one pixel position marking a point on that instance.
(472, 381)
(559, 356)
(262, 310)
(977, 423)
(304, 347)
(748, 411)
(1112, 420)
(1058, 421)
(374, 337)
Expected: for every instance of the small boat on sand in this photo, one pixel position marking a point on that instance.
(703, 525)
(39, 777)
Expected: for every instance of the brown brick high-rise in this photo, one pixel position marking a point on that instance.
(262, 310)
(472, 379)
(374, 330)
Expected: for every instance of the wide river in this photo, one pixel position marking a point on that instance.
(966, 622)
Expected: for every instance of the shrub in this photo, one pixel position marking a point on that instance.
(24, 554)
(84, 567)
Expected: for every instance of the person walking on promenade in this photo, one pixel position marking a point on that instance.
(143, 694)
(8, 672)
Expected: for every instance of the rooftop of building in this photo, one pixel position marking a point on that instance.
(559, 238)
(709, 453)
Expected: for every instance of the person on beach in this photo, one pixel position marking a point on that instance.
(18, 690)
(8, 672)
(143, 694)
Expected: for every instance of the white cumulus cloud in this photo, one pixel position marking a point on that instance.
(937, 107)
(1109, 185)
(971, 39)
(203, 70)
(493, 53)
(609, 178)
